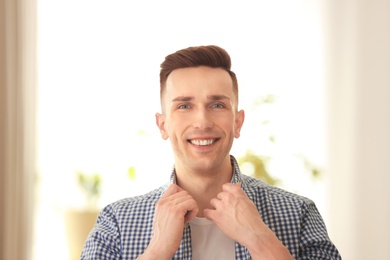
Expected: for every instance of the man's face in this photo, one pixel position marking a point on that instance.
(200, 117)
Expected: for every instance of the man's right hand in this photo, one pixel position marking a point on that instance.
(175, 208)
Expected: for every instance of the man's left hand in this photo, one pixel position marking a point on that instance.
(238, 218)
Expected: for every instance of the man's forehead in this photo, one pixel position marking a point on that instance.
(206, 82)
(199, 82)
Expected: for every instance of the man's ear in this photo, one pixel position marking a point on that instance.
(240, 116)
(160, 122)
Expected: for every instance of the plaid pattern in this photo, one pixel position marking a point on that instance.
(124, 228)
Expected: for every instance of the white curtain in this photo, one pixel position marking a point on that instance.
(17, 126)
(358, 53)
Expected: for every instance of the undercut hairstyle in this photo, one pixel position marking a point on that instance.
(210, 56)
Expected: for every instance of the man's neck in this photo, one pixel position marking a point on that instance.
(204, 187)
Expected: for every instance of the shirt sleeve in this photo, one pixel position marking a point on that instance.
(315, 242)
(103, 241)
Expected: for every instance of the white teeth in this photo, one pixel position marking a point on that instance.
(202, 142)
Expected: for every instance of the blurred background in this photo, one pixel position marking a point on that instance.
(79, 88)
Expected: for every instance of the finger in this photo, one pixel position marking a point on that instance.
(183, 201)
(215, 202)
(191, 214)
(180, 197)
(224, 195)
(185, 204)
(209, 214)
(172, 189)
(230, 187)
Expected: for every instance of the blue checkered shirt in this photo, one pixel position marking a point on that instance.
(124, 228)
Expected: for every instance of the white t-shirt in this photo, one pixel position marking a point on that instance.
(209, 242)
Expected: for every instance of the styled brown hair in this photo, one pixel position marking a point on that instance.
(210, 56)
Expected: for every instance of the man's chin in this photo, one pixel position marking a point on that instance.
(204, 164)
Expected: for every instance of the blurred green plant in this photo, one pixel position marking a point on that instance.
(90, 185)
(258, 163)
(313, 169)
(258, 166)
(131, 173)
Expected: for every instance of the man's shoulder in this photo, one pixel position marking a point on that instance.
(137, 204)
(260, 190)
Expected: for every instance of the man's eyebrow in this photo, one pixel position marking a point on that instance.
(182, 98)
(217, 97)
(210, 97)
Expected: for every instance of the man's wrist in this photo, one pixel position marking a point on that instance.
(151, 255)
(268, 247)
(152, 252)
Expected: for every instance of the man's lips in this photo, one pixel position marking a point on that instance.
(203, 142)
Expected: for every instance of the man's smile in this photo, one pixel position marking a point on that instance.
(203, 142)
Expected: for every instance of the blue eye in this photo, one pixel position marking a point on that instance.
(218, 105)
(184, 106)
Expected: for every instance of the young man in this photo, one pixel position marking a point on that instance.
(208, 210)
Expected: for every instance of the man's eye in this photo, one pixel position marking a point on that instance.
(218, 105)
(184, 106)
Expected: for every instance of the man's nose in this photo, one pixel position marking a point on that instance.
(202, 119)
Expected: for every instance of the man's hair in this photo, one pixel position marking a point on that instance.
(210, 56)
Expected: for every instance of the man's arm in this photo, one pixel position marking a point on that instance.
(103, 242)
(315, 242)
